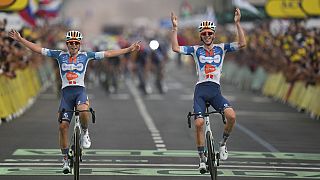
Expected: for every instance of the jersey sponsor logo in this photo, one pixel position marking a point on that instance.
(65, 116)
(71, 67)
(209, 69)
(71, 76)
(209, 59)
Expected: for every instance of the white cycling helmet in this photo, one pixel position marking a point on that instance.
(73, 35)
(207, 25)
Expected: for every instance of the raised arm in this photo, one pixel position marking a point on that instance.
(111, 53)
(240, 33)
(174, 33)
(32, 46)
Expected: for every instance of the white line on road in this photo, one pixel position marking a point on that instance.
(255, 137)
(146, 116)
(161, 165)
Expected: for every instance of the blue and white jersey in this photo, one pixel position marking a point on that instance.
(209, 63)
(72, 70)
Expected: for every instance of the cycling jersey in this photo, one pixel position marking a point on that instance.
(209, 63)
(72, 70)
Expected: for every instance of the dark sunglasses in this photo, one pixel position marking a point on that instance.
(206, 33)
(73, 43)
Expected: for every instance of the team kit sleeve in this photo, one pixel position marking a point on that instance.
(230, 47)
(187, 50)
(50, 52)
(95, 55)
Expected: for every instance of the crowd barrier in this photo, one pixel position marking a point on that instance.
(17, 94)
(299, 95)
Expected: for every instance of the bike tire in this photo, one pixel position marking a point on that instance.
(211, 157)
(76, 165)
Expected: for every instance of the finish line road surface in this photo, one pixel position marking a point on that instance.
(140, 137)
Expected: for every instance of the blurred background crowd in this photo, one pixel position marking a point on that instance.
(283, 36)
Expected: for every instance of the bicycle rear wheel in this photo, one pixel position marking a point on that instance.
(76, 161)
(212, 167)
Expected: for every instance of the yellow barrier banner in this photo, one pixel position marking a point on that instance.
(284, 9)
(6, 3)
(13, 5)
(311, 7)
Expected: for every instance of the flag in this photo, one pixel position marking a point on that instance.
(49, 8)
(28, 14)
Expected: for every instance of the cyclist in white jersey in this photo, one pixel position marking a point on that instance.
(72, 66)
(208, 60)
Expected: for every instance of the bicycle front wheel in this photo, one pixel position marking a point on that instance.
(212, 167)
(76, 161)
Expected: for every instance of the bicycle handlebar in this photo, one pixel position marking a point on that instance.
(93, 113)
(206, 114)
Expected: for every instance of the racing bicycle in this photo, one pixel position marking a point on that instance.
(75, 154)
(211, 151)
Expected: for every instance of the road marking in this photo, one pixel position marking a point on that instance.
(172, 153)
(146, 116)
(83, 160)
(222, 163)
(257, 138)
(34, 164)
(36, 171)
(255, 164)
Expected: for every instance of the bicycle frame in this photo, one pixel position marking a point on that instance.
(213, 157)
(208, 127)
(75, 156)
(76, 147)
(76, 124)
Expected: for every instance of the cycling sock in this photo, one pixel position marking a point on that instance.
(225, 137)
(65, 152)
(201, 151)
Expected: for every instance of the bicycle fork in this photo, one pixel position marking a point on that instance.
(216, 157)
(78, 126)
(72, 147)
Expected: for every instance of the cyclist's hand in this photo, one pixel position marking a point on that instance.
(237, 15)
(174, 20)
(135, 46)
(15, 35)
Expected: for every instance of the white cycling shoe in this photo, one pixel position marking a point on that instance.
(65, 166)
(85, 139)
(223, 152)
(202, 166)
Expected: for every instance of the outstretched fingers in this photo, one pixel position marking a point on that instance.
(14, 34)
(237, 15)
(174, 19)
(136, 46)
